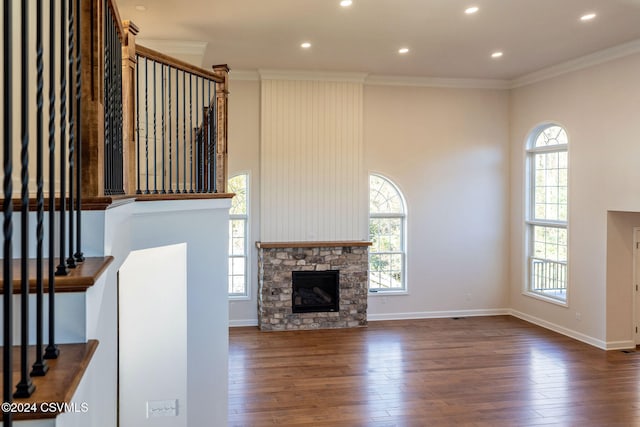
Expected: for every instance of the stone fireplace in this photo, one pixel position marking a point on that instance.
(315, 264)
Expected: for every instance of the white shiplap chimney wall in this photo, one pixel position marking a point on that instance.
(314, 187)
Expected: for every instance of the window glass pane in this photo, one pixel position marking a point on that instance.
(550, 243)
(386, 271)
(238, 236)
(386, 234)
(383, 196)
(552, 135)
(550, 187)
(238, 185)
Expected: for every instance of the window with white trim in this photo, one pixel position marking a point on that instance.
(387, 225)
(547, 212)
(238, 238)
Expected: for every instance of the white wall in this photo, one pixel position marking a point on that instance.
(153, 335)
(447, 149)
(244, 149)
(599, 108)
(203, 225)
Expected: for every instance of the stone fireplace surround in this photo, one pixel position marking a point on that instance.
(276, 262)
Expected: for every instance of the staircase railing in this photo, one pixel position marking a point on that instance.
(53, 61)
(179, 128)
(90, 144)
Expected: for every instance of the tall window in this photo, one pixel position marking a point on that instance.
(238, 241)
(547, 213)
(387, 218)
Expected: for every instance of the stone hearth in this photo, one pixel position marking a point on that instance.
(277, 261)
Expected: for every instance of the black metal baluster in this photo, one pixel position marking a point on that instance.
(209, 125)
(138, 64)
(71, 263)
(184, 131)
(203, 131)
(108, 90)
(52, 351)
(117, 66)
(25, 387)
(62, 268)
(40, 366)
(177, 145)
(169, 130)
(146, 109)
(215, 138)
(199, 129)
(155, 136)
(79, 256)
(191, 132)
(162, 100)
(7, 211)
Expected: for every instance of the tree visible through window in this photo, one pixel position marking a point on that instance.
(238, 249)
(387, 233)
(547, 216)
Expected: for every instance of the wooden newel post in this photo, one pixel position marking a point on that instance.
(92, 125)
(222, 95)
(129, 63)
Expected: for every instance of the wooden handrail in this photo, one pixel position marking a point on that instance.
(177, 63)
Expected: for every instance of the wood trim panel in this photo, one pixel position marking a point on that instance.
(79, 279)
(343, 243)
(62, 380)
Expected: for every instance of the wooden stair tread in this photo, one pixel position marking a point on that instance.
(79, 279)
(60, 383)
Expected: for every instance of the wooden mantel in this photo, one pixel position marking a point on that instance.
(343, 243)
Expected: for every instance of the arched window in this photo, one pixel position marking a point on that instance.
(387, 225)
(238, 238)
(547, 212)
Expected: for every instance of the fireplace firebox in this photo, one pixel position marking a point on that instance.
(315, 291)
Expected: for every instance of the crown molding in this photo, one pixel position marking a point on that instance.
(380, 80)
(247, 75)
(327, 76)
(175, 47)
(577, 64)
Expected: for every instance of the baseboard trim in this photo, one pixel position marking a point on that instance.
(560, 329)
(438, 314)
(243, 323)
(621, 345)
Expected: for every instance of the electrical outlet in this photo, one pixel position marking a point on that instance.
(162, 408)
(578, 316)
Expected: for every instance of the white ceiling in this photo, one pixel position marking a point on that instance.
(444, 41)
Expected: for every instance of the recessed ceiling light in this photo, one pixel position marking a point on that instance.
(471, 10)
(588, 17)
(141, 7)
(403, 50)
(496, 55)
(346, 3)
(305, 45)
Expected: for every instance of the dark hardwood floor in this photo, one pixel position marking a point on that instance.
(482, 371)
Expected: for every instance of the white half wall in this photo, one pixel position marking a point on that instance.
(153, 335)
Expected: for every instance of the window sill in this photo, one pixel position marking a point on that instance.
(387, 293)
(544, 298)
(239, 298)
